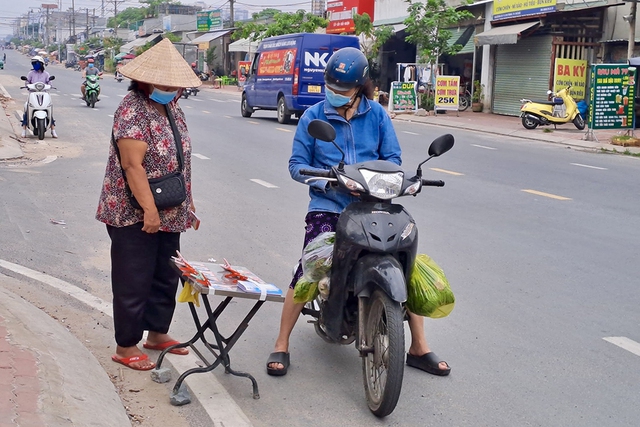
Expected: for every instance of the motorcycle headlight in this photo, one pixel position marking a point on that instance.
(39, 86)
(383, 185)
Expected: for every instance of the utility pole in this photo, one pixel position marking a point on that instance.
(73, 17)
(86, 17)
(232, 18)
(632, 29)
(115, 12)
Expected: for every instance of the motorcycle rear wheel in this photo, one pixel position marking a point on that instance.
(463, 103)
(578, 122)
(383, 367)
(41, 128)
(528, 123)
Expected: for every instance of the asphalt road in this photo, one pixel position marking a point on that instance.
(539, 243)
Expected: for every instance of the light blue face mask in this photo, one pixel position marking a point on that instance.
(90, 65)
(335, 99)
(162, 97)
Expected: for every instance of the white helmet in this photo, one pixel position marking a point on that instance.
(37, 59)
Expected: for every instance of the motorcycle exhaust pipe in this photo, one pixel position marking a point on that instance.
(534, 118)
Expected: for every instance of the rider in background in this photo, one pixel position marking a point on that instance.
(349, 109)
(38, 74)
(90, 70)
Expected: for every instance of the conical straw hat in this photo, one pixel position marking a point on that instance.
(161, 65)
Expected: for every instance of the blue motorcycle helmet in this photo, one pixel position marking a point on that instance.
(346, 69)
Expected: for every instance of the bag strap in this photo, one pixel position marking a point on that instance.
(176, 137)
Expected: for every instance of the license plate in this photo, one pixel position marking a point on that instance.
(314, 89)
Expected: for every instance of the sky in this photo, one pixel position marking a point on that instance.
(11, 9)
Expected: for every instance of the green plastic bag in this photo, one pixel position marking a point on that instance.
(316, 266)
(429, 293)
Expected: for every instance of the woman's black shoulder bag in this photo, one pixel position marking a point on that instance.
(169, 190)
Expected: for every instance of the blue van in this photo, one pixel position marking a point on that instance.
(287, 72)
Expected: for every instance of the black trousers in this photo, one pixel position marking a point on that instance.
(143, 282)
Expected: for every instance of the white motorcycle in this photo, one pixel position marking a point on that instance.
(39, 108)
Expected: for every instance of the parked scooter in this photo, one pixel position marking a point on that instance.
(119, 76)
(91, 90)
(38, 107)
(190, 91)
(560, 110)
(375, 248)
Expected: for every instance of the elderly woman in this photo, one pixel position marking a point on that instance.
(144, 236)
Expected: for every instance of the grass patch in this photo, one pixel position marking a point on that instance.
(625, 141)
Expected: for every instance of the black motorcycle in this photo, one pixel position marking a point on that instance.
(189, 91)
(374, 251)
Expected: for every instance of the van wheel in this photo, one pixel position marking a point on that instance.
(283, 112)
(244, 107)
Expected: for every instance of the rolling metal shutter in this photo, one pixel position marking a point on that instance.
(521, 71)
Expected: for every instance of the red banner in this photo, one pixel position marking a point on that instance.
(276, 62)
(341, 14)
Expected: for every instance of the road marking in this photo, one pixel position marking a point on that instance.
(200, 156)
(233, 100)
(254, 123)
(121, 96)
(206, 112)
(197, 100)
(105, 96)
(54, 94)
(484, 146)
(227, 117)
(283, 130)
(588, 166)
(263, 183)
(110, 115)
(625, 343)
(446, 171)
(215, 100)
(49, 159)
(64, 287)
(410, 133)
(551, 196)
(219, 406)
(188, 106)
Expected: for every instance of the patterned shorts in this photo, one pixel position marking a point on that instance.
(317, 223)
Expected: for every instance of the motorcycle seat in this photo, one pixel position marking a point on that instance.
(557, 101)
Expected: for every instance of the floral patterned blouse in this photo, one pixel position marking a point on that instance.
(136, 118)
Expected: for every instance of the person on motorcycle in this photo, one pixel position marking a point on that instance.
(38, 74)
(194, 67)
(91, 70)
(348, 108)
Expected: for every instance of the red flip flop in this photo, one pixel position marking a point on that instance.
(127, 361)
(179, 351)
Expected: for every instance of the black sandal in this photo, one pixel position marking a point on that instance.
(278, 357)
(428, 362)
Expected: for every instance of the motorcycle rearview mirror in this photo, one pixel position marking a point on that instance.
(438, 147)
(52, 78)
(325, 132)
(549, 92)
(23, 78)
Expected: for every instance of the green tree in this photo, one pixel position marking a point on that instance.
(152, 9)
(211, 56)
(283, 23)
(130, 14)
(265, 14)
(427, 28)
(371, 41)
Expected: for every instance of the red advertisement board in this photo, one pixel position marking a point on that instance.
(341, 14)
(276, 62)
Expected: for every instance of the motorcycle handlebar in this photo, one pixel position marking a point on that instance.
(432, 183)
(321, 174)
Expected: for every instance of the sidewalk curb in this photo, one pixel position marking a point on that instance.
(218, 404)
(66, 397)
(9, 146)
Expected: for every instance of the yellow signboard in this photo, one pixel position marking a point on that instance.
(507, 9)
(571, 72)
(447, 93)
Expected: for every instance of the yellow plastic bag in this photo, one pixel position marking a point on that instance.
(189, 294)
(429, 293)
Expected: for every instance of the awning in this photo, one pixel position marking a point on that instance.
(462, 36)
(507, 34)
(398, 27)
(243, 45)
(207, 37)
(128, 47)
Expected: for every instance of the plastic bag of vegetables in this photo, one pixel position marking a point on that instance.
(429, 293)
(316, 265)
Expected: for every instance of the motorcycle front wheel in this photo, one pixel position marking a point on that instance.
(578, 122)
(529, 123)
(93, 100)
(41, 126)
(383, 366)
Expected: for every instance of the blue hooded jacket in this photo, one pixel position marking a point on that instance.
(369, 135)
